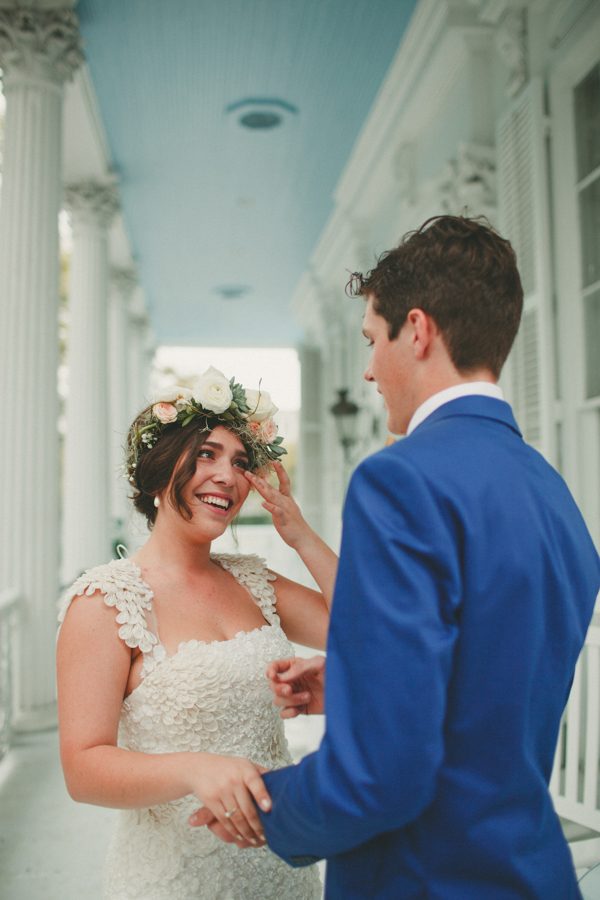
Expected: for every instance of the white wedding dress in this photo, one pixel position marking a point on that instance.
(211, 697)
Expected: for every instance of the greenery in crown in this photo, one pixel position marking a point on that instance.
(214, 401)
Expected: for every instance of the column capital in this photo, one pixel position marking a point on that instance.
(138, 316)
(39, 43)
(124, 279)
(509, 18)
(468, 182)
(92, 203)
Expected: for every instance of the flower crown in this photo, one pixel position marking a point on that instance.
(214, 401)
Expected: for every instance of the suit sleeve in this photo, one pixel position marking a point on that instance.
(392, 633)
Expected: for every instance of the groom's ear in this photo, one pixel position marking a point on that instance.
(422, 331)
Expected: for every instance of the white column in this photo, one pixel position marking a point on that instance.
(139, 397)
(147, 361)
(310, 456)
(137, 356)
(334, 469)
(39, 51)
(122, 286)
(86, 538)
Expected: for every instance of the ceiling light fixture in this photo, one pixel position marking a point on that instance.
(231, 291)
(261, 113)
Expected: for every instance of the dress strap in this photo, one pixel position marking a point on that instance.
(251, 572)
(120, 582)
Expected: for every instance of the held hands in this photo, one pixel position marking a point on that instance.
(298, 685)
(228, 787)
(287, 517)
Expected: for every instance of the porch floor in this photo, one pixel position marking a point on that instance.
(51, 848)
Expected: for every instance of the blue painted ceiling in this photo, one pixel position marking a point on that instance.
(210, 207)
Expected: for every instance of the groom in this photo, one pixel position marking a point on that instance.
(466, 584)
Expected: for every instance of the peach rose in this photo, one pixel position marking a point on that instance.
(268, 430)
(164, 412)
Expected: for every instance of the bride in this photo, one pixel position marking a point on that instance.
(161, 657)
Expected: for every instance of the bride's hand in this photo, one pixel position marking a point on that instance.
(298, 685)
(287, 518)
(229, 786)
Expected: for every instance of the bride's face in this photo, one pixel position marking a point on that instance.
(218, 488)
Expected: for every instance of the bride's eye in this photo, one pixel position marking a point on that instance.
(205, 454)
(242, 464)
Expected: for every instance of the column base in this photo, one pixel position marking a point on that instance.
(43, 718)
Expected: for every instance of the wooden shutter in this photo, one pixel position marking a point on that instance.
(523, 219)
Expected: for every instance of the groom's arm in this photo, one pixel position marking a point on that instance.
(392, 632)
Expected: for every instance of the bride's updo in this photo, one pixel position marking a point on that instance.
(173, 457)
(164, 439)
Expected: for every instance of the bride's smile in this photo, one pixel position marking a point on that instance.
(219, 485)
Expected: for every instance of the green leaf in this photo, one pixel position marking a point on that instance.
(277, 451)
(188, 419)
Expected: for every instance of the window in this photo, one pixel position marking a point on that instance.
(587, 142)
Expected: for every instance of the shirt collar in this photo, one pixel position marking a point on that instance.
(467, 389)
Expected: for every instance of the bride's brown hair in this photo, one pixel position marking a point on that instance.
(176, 452)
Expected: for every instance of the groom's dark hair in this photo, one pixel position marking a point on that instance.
(461, 273)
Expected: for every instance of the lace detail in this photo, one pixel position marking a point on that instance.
(121, 584)
(252, 572)
(209, 696)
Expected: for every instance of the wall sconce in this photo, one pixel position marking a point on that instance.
(345, 413)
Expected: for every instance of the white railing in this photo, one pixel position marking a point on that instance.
(9, 616)
(574, 783)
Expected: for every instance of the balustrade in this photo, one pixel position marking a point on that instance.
(574, 783)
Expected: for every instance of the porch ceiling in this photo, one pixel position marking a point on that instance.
(212, 208)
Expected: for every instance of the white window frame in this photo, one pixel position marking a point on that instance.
(580, 417)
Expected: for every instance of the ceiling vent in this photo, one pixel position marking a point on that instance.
(232, 291)
(261, 113)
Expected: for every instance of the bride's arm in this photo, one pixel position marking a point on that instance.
(319, 559)
(304, 613)
(93, 667)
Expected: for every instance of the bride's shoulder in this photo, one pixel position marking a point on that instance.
(119, 584)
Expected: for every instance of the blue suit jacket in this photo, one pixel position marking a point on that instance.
(466, 584)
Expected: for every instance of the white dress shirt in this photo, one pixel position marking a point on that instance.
(467, 389)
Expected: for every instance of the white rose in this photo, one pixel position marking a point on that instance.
(261, 406)
(212, 391)
(177, 394)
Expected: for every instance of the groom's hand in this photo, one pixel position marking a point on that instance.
(298, 685)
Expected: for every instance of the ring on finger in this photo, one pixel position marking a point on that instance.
(230, 812)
